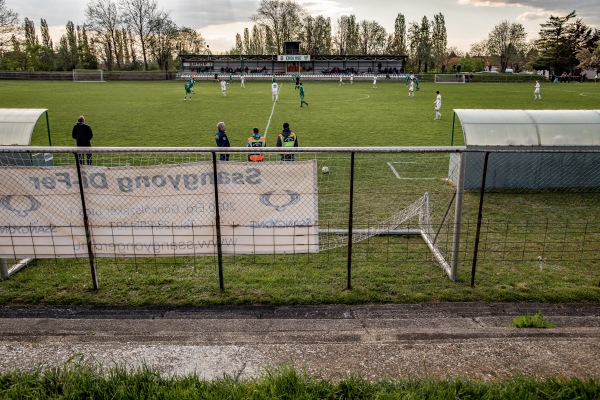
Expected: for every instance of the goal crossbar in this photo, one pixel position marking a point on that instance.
(449, 78)
(88, 75)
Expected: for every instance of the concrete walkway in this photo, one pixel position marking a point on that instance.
(333, 341)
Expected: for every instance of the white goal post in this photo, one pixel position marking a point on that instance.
(449, 78)
(88, 75)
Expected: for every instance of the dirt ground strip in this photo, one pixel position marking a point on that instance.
(431, 339)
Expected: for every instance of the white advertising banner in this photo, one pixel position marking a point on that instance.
(167, 210)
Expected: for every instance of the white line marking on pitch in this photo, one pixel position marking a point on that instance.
(390, 163)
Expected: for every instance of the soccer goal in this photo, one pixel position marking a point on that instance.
(449, 78)
(88, 75)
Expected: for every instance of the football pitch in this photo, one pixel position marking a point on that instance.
(518, 225)
(154, 114)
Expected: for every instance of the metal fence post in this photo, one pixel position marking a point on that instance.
(350, 222)
(479, 217)
(86, 224)
(460, 189)
(218, 222)
(3, 269)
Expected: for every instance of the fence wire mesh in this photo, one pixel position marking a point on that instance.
(146, 209)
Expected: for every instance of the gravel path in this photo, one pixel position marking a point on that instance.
(430, 339)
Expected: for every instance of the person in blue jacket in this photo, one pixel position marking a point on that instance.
(222, 140)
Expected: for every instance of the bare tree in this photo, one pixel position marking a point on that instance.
(589, 59)
(102, 17)
(372, 37)
(420, 43)
(347, 36)
(257, 41)
(439, 39)
(138, 14)
(246, 49)
(397, 42)
(163, 40)
(506, 41)
(9, 21)
(190, 41)
(282, 17)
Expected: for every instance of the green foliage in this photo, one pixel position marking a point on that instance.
(529, 321)
(560, 39)
(80, 379)
(471, 64)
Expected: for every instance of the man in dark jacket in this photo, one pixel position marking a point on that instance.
(82, 133)
(287, 138)
(222, 140)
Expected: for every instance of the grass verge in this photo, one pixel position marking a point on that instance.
(82, 380)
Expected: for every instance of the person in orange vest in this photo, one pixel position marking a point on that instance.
(287, 138)
(256, 141)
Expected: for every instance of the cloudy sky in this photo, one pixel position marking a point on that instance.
(467, 21)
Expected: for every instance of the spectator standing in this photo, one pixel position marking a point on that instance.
(287, 138)
(256, 141)
(82, 133)
(222, 140)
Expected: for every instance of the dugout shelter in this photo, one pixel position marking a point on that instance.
(16, 129)
(567, 131)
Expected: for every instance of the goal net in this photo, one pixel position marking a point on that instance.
(449, 78)
(88, 75)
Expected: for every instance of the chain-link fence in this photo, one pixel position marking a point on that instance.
(333, 208)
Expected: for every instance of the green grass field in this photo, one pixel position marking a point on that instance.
(154, 114)
(386, 269)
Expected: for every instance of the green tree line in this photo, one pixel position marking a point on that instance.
(137, 35)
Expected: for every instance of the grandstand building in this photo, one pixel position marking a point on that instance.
(292, 62)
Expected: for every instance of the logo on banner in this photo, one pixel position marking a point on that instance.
(20, 205)
(265, 199)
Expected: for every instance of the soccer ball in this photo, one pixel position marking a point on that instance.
(325, 170)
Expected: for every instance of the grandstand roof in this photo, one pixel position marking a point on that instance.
(16, 125)
(530, 127)
(269, 57)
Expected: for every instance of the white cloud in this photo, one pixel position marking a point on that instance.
(219, 37)
(480, 3)
(534, 16)
(327, 8)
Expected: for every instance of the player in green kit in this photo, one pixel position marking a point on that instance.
(192, 83)
(188, 89)
(302, 95)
